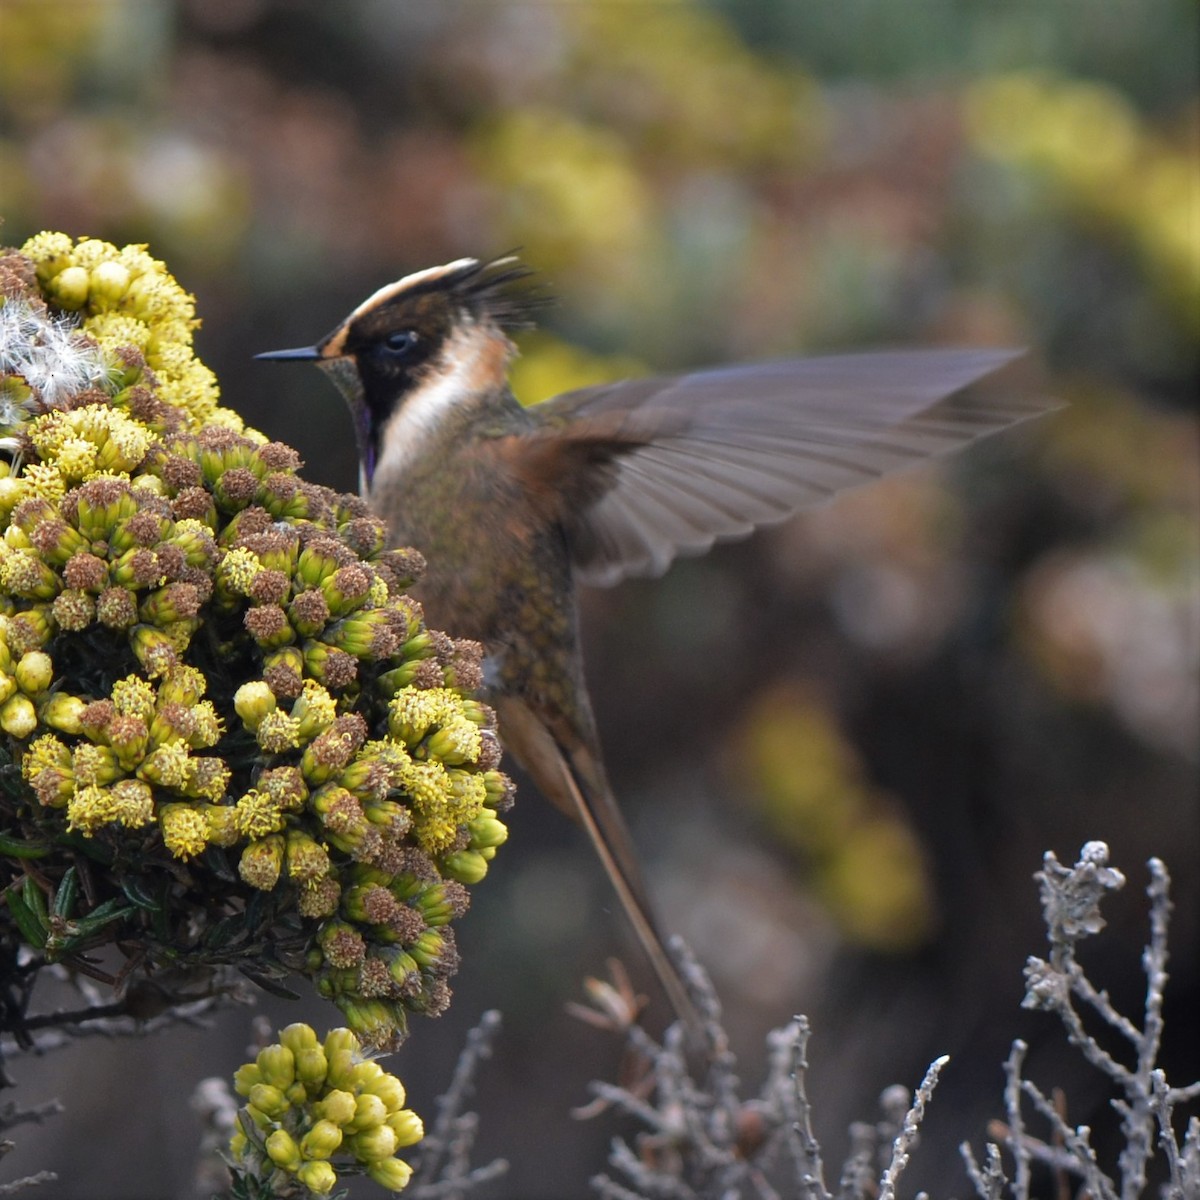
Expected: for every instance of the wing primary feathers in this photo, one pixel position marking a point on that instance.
(667, 466)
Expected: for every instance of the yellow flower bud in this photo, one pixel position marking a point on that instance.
(374, 1144)
(389, 1089)
(269, 1100)
(341, 1039)
(259, 1117)
(278, 1065)
(407, 1126)
(34, 672)
(321, 1140)
(252, 702)
(108, 282)
(246, 1077)
(311, 1068)
(365, 1073)
(298, 1036)
(62, 712)
(283, 1151)
(8, 686)
(340, 1064)
(69, 288)
(318, 1176)
(338, 1106)
(18, 717)
(392, 1174)
(369, 1111)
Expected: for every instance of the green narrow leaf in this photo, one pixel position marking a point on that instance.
(138, 893)
(268, 984)
(33, 932)
(36, 901)
(12, 846)
(64, 896)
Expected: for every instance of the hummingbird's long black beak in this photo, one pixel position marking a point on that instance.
(303, 354)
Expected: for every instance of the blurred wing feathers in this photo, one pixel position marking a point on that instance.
(666, 466)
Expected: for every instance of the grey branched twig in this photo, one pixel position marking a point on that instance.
(1071, 899)
(443, 1171)
(12, 1116)
(702, 1141)
(28, 1181)
(907, 1137)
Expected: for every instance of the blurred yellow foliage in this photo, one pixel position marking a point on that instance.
(570, 190)
(683, 85)
(44, 45)
(867, 864)
(549, 366)
(1087, 142)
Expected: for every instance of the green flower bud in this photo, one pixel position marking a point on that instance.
(322, 1140)
(314, 566)
(428, 948)
(467, 866)
(486, 831)
(8, 687)
(318, 1176)
(283, 1151)
(390, 1173)
(370, 634)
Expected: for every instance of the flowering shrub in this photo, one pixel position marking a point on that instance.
(229, 736)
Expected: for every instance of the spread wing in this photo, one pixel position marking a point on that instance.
(665, 466)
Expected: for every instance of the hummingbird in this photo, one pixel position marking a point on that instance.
(515, 507)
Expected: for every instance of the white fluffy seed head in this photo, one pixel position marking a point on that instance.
(48, 353)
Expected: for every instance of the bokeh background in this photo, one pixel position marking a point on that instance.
(844, 744)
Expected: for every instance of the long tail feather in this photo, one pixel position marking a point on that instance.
(584, 795)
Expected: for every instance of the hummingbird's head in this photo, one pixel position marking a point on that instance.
(428, 343)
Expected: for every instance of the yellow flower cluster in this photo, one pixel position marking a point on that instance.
(314, 1109)
(206, 659)
(1088, 143)
(128, 300)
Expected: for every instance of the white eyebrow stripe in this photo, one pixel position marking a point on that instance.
(389, 290)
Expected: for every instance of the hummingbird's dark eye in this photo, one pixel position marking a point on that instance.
(400, 342)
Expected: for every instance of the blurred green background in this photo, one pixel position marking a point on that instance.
(844, 744)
